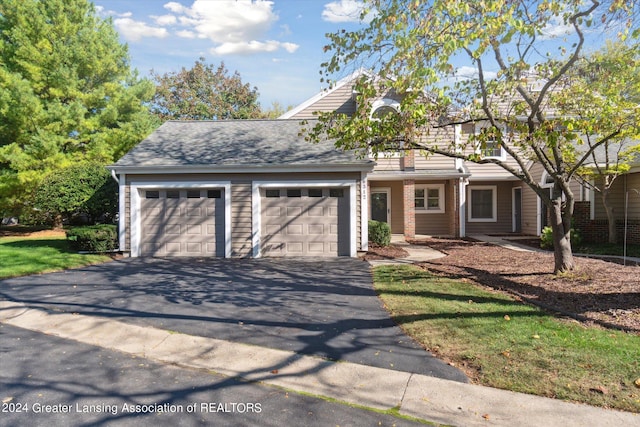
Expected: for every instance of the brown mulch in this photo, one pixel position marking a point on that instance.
(597, 292)
(384, 252)
(11, 232)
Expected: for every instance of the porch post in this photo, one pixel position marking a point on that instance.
(408, 189)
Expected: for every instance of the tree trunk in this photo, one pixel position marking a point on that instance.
(561, 226)
(606, 202)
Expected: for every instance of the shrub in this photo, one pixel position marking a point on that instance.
(379, 233)
(546, 238)
(79, 190)
(94, 238)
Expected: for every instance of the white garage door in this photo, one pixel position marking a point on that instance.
(182, 223)
(304, 222)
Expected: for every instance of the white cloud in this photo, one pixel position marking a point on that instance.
(234, 26)
(556, 28)
(345, 11)
(165, 19)
(136, 30)
(253, 46)
(175, 7)
(467, 73)
(186, 34)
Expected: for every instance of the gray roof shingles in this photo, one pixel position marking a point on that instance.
(254, 143)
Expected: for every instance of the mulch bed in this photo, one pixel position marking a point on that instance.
(597, 292)
(376, 252)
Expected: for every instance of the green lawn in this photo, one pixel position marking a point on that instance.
(510, 345)
(607, 249)
(20, 256)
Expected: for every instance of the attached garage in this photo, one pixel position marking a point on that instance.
(300, 221)
(178, 222)
(241, 188)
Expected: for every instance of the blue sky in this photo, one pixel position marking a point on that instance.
(274, 45)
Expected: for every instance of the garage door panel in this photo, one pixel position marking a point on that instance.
(295, 247)
(316, 247)
(294, 229)
(172, 229)
(316, 211)
(273, 211)
(294, 211)
(316, 229)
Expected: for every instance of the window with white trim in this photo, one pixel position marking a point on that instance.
(483, 203)
(429, 198)
(488, 144)
(379, 109)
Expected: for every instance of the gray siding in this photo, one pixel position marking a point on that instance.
(503, 224)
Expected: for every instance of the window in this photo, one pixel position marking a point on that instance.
(272, 193)
(214, 194)
(429, 198)
(193, 194)
(489, 143)
(152, 194)
(294, 192)
(482, 204)
(173, 194)
(492, 148)
(381, 109)
(315, 192)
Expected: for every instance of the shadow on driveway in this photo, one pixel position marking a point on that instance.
(325, 308)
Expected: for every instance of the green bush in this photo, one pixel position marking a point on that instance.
(80, 190)
(379, 233)
(546, 238)
(94, 238)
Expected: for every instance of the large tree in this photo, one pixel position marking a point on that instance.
(204, 92)
(67, 94)
(615, 68)
(522, 53)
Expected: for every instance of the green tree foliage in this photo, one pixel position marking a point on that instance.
(79, 189)
(204, 92)
(610, 73)
(522, 53)
(67, 94)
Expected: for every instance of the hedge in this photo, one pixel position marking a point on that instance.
(94, 238)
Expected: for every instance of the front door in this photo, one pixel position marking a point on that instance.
(380, 202)
(517, 210)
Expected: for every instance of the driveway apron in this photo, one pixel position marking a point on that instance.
(325, 308)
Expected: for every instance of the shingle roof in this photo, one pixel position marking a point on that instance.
(240, 143)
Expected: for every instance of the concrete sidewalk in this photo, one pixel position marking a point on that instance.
(419, 396)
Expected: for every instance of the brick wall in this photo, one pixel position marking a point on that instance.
(597, 231)
(409, 188)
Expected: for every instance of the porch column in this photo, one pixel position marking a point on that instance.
(409, 194)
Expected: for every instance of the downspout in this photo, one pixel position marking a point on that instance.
(114, 176)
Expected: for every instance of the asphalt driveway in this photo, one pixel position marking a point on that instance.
(315, 307)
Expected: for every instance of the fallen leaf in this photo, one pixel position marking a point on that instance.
(506, 354)
(485, 416)
(536, 337)
(599, 389)
(7, 399)
(506, 317)
(637, 383)
(275, 371)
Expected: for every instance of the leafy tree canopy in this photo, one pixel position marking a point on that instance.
(522, 59)
(67, 94)
(204, 92)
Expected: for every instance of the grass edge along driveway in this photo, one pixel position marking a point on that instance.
(503, 343)
(21, 256)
